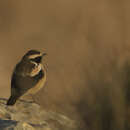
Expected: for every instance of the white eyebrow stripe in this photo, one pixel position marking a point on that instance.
(34, 56)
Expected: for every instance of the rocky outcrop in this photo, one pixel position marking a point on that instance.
(30, 116)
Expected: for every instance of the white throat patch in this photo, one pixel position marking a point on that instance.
(36, 70)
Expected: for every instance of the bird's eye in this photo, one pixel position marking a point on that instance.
(37, 59)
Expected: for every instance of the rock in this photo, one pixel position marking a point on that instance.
(23, 126)
(30, 116)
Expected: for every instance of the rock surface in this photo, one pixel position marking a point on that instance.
(30, 116)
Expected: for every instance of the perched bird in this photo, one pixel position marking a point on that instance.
(28, 77)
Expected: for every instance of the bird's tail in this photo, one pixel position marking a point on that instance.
(12, 100)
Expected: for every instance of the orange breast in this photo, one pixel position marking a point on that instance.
(38, 86)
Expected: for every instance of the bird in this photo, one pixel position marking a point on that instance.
(28, 77)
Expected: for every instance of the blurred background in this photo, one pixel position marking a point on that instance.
(88, 48)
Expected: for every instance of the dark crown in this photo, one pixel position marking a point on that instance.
(32, 52)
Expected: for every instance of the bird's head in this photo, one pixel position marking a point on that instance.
(34, 56)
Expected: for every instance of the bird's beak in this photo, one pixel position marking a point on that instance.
(43, 54)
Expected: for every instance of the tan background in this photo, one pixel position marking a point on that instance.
(88, 46)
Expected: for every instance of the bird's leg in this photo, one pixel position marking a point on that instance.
(27, 99)
(33, 99)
